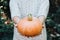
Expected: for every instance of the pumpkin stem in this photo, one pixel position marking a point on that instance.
(30, 17)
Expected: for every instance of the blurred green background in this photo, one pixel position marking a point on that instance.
(52, 21)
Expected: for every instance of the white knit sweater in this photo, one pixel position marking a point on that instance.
(21, 8)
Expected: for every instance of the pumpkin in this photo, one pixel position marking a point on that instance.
(29, 26)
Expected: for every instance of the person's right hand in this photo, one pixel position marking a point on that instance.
(16, 19)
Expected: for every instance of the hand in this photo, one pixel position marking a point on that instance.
(42, 19)
(16, 20)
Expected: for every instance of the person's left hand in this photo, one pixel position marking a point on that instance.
(42, 20)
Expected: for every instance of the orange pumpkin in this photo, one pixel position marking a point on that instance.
(29, 26)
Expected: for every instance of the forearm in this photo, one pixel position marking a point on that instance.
(43, 12)
(15, 13)
(14, 9)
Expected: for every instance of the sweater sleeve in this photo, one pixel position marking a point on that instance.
(14, 9)
(43, 8)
